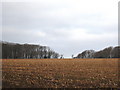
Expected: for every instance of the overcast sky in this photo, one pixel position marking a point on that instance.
(67, 26)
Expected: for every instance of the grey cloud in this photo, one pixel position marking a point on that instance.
(55, 24)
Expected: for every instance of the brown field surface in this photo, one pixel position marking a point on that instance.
(60, 73)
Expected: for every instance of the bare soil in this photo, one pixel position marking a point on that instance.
(60, 73)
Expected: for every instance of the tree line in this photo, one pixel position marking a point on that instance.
(26, 51)
(110, 52)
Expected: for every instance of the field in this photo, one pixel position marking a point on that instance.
(60, 73)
